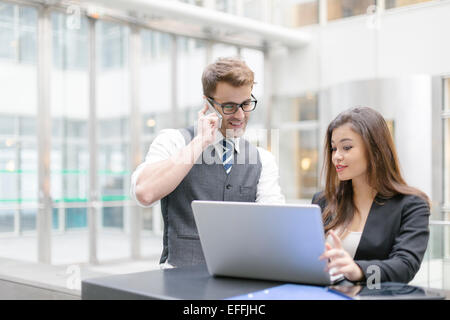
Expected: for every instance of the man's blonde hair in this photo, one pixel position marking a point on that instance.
(233, 71)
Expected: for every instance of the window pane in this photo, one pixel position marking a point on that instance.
(70, 144)
(113, 116)
(295, 109)
(18, 33)
(194, 2)
(76, 218)
(113, 49)
(6, 220)
(155, 96)
(70, 112)
(28, 219)
(299, 143)
(338, 9)
(7, 27)
(221, 50)
(191, 55)
(113, 217)
(68, 39)
(255, 60)
(228, 6)
(27, 40)
(147, 219)
(7, 125)
(253, 9)
(400, 3)
(28, 169)
(298, 163)
(18, 127)
(447, 162)
(447, 94)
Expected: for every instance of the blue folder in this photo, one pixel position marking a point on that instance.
(293, 292)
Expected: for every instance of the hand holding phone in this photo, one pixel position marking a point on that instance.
(211, 109)
(209, 122)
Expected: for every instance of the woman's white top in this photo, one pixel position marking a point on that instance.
(349, 243)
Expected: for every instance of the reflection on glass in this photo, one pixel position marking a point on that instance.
(338, 9)
(400, 3)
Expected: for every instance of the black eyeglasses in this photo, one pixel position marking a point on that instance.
(230, 108)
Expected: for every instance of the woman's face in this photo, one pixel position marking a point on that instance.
(348, 153)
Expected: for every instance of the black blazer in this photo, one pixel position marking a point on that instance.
(394, 238)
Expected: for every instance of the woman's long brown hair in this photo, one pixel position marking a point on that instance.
(383, 171)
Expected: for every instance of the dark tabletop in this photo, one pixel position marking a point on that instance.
(195, 283)
(179, 283)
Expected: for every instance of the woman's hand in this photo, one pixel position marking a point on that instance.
(339, 259)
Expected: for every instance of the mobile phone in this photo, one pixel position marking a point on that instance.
(211, 109)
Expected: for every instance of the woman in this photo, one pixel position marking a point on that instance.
(376, 221)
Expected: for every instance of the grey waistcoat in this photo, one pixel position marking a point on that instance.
(207, 180)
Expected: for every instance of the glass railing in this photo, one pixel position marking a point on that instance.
(435, 269)
(18, 214)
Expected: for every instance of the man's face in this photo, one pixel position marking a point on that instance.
(233, 124)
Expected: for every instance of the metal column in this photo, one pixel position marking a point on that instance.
(95, 207)
(135, 218)
(44, 214)
(174, 77)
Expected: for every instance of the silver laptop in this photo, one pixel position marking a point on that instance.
(263, 241)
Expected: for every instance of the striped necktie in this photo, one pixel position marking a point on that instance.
(227, 158)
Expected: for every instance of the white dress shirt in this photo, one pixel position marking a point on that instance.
(170, 142)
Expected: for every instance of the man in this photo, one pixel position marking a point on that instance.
(178, 167)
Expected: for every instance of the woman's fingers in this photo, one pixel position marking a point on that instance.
(336, 240)
(338, 263)
(345, 270)
(332, 254)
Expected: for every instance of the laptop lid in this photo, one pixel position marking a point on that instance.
(262, 241)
